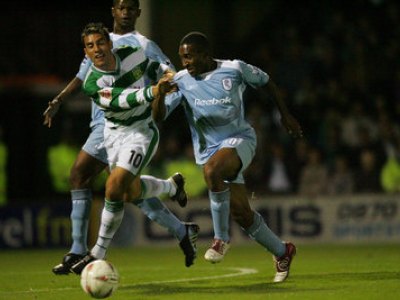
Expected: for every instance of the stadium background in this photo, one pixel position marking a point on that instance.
(336, 63)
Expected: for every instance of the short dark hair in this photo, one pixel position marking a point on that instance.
(135, 2)
(197, 38)
(93, 28)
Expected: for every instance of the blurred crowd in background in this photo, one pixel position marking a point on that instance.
(341, 77)
(339, 71)
(338, 68)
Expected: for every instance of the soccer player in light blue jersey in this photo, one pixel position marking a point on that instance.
(92, 160)
(211, 92)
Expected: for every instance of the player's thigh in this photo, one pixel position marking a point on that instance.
(86, 167)
(233, 157)
(86, 162)
(225, 162)
(245, 149)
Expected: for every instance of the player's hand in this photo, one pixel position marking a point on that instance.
(170, 73)
(51, 111)
(292, 126)
(165, 83)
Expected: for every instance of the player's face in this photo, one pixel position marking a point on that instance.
(125, 14)
(194, 60)
(98, 49)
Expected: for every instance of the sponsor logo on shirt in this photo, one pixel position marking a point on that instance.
(213, 101)
(105, 94)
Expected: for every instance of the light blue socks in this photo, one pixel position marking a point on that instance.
(220, 208)
(260, 232)
(158, 212)
(81, 204)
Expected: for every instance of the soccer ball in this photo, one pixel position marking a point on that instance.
(99, 279)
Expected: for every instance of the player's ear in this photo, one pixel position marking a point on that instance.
(139, 12)
(206, 54)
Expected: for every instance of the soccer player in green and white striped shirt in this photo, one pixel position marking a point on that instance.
(130, 134)
(92, 160)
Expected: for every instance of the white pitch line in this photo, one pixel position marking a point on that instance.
(238, 272)
(242, 272)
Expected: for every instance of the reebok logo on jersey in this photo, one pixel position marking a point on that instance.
(213, 101)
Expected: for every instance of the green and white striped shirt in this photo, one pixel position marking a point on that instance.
(122, 94)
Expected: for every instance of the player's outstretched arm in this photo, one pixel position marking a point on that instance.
(54, 105)
(117, 98)
(165, 86)
(288, 120)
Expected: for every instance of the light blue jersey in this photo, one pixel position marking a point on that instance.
(134, 39)
(214, 106)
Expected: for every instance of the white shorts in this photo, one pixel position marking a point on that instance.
(131, 148)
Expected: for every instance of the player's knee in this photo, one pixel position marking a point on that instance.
(212, 173)
(114, 194)
(114, 190)
(132, 196)
(77, 179)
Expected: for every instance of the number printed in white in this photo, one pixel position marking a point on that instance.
(233, 141)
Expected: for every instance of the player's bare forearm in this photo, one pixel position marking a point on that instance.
(164, 86)
(288, 120)
(274, 93)
(51, 111)
(54, 105)
(158, 108)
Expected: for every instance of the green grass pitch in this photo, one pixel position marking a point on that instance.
(318, 272)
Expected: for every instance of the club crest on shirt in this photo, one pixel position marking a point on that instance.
(227, 84)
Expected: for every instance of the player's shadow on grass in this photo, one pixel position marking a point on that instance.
(170, 289)
(292, 285)
(351, 276)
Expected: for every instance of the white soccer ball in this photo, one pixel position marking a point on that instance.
(99, 279)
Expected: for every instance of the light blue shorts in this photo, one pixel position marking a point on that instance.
(245, 148)
(94, 145)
